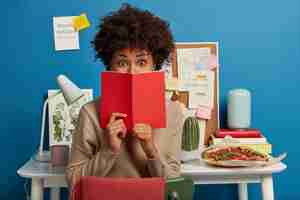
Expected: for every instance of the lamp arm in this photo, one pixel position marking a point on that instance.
(43, 127)
(40, 155)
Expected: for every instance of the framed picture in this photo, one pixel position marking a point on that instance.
(63, 117)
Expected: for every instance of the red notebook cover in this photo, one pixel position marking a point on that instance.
(239, 133)
(99, 188)
(140, 96)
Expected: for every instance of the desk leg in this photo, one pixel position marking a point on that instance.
(54, 194)
(267, 187)
(37, 192)
(243, 192)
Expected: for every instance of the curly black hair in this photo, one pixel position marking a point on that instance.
(130, 27)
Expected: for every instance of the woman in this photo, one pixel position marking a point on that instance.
(131, 41)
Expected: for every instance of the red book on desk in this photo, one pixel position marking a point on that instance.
(239, 133)
(140, 96)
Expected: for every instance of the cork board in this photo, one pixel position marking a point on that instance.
(211, 124)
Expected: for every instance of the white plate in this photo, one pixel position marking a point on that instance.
(241, 163)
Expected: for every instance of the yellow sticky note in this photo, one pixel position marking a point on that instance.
(81, 22)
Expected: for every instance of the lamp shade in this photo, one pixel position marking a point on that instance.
(70, 91)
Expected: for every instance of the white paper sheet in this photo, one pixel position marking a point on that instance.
(63, 118)
(192, 60)
(200, 91)
(172, 84)
(65, 36)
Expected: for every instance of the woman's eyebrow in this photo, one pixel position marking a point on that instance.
(142, 54)
(122, 55)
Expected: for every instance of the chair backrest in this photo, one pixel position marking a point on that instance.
(98, 188)
(180, 188)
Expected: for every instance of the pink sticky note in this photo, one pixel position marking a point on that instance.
(203, 112)
(213, 62)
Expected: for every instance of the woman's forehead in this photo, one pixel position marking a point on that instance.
(132, 51)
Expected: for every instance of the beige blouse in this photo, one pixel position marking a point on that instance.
(91, 155)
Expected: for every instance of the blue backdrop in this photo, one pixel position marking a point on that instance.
(259, 50)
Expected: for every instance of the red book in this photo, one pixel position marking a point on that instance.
(106, 188)
(239, 133)
(140, 96)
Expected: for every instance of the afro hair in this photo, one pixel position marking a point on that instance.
(130, 27)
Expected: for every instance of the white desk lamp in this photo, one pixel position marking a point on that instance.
(71, 94)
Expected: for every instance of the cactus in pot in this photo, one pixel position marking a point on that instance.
(190, 135)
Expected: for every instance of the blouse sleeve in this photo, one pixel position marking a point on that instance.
(89, 155)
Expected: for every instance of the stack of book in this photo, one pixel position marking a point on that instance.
(252, 138)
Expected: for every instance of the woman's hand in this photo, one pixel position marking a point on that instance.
(144, 133)
(116, 131)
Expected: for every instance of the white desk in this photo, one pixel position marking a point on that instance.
(43, 176)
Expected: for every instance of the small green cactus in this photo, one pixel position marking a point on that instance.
(190, 135)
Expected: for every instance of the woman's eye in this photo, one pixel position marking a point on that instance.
(142, 62)
(123, 63)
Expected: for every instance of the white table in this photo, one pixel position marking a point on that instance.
(43, 176)
(205, 174)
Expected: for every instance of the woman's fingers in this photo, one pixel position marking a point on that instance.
(118, 127)
(124, 130)
(116, 123)
(115, 127)
(116, 115)
(117, 130)
(142, 131)
(119, 122)
(145, 128)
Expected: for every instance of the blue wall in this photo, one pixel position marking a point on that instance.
(259, 50)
